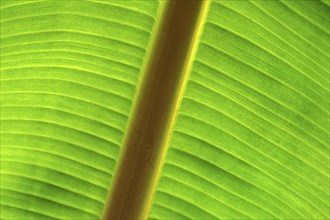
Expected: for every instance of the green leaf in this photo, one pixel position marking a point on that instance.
(69, 71)
(251, 138)
(248, 137)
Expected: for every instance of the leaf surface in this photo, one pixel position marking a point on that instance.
(251, 138)
(69, 71)
(250, 134)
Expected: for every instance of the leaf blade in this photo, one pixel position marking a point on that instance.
(69, 72)
(248, 132)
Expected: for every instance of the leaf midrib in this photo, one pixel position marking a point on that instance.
(168, 63)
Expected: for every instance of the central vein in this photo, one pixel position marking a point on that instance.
(153, 113)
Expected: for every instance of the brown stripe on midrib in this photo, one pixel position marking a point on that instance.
(152, 112)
